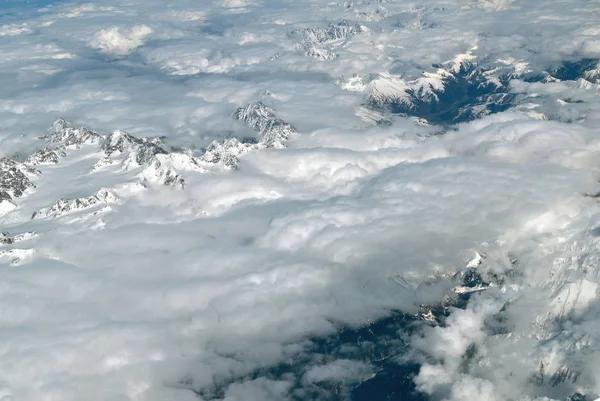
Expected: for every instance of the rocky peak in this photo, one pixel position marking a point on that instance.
(142, 151)
(165, 168)
(226, 152)
(62, 134)
(385, 89)
(273, 131)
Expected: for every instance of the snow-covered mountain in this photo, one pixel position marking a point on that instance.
(320, 43)
(460, 90)
(146, 155)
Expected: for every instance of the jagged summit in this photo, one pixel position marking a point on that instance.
(254, 114)
(158, 165)
(166, 168)
(273, 131)
(59, 125)
(140, 150)
(226, 152)
(62, 133)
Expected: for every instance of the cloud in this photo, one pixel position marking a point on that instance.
(118, 41)
(14, 29)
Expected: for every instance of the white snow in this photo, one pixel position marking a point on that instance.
(386, 87)
(6, 206)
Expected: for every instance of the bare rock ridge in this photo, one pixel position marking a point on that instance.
(120, 142)
(62, 206)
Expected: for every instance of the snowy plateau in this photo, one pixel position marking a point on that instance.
(308, 200)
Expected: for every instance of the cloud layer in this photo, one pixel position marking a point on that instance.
(141, 291)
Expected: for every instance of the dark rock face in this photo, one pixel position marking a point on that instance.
(13, 177)
(6, 239)
(587, 69)
(464, 94)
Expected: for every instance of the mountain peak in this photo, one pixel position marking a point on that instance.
(273, 131)
(62, 134)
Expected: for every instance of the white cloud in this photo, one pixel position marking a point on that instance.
(495, 5)
(121, 41)
(14, 29)
(338, 371)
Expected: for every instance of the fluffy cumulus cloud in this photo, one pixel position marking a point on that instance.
(115, 40)
(251, 200)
